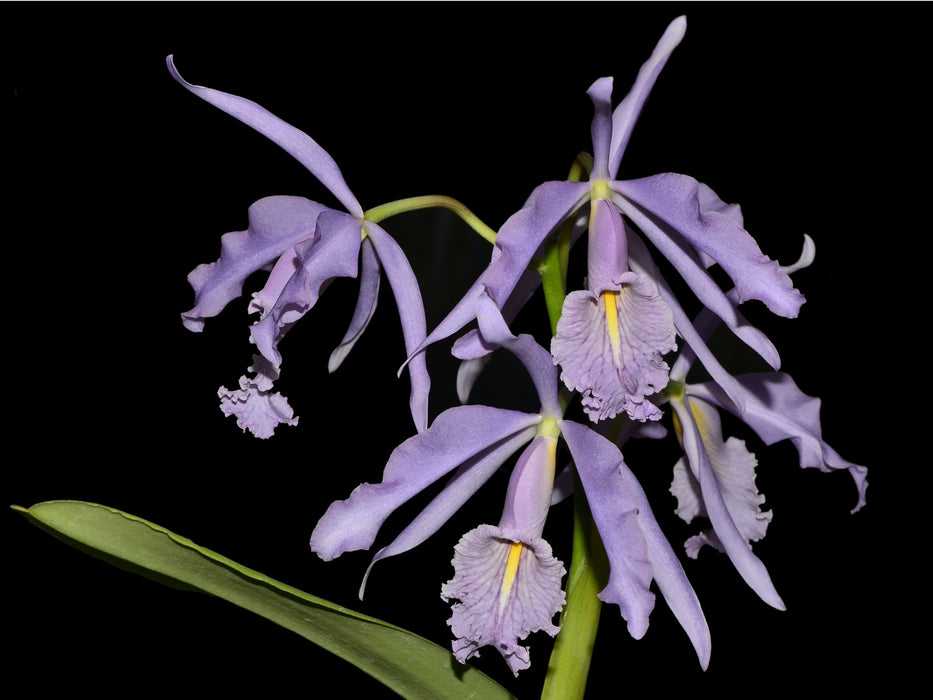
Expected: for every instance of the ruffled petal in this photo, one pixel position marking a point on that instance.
(637, 549)
(749, 566)
(457, 435)
(734, 469)
(332, 252)
(610, 348)
(255, 406)
(296, 143)
(275, 224)
(677, 202)
(776, 409)
(507, 589)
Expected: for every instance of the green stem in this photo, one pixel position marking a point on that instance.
(384, 211)
(573, 648)
(569, 665)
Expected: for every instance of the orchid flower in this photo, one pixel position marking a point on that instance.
(716, 477)
(304, 245)
(506, 579)
(613, 335)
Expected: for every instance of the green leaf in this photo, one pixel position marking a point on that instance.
(408, 664)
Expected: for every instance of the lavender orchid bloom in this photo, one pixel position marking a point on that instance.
(506, 579)
(614, 334)
(716, 478)
(304, 245)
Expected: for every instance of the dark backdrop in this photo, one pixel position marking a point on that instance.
(120, 182)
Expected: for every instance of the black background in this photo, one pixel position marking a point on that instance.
(120, 182)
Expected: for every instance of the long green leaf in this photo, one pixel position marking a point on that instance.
(408, 664)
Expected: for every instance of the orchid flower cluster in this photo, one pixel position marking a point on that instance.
(623, 346)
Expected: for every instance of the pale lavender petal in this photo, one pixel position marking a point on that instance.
(626, 114)
(636, 547)
(734, 468)
(457, 435)
(333, 252)
(407, 295)
(610, 348)
(255, 406)
(465, 482)
(600, 93)
(516, 243)
(370, 276)
(607, 248)
(507, 590)
(749, 566)
(688, 264)
(275, 224)
(695, 341)
(776, 409)
(296, 143)
(536, 360)
(674, 201)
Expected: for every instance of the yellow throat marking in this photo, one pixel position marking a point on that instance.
(612, 323)
(511, 571)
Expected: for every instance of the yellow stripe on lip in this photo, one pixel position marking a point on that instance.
(511, 571)
(612, 323)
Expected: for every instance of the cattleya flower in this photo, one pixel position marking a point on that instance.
(304, 245)
(612, 336)
(716, 477)
(506, 579)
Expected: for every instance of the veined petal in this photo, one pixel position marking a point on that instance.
(636, 547)
(333, 252)
(734, 468)
(407, 295)
(457, 435)
(255, 406)
(275, 224)
(507, 589)
(749, 566)
(610, 348)
(626, 114)
(295, 142)
(518, 240)
(675, 200)
(776, 409)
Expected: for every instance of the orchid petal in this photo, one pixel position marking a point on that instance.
(503, 597)
(600, 93)
(634, 543)
(626, 114)
(295, 142)
(516, 244)
(749, 566)
(370, 277)
(465, 482)
(275, 224)
(776, 409)
(333, 252)
(407, 294)
(702, 284)
(457, 435)
(675, 201)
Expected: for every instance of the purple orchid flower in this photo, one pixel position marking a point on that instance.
(716, 478)
(304, 245)
(506, 579)
(613, 335)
